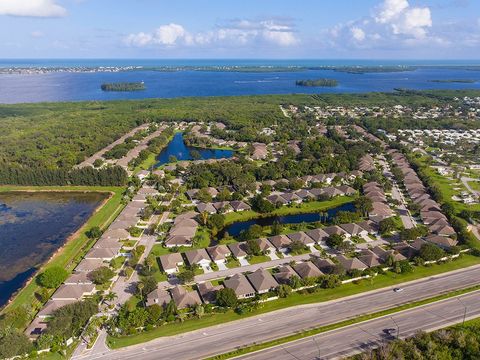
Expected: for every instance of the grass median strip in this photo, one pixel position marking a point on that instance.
(295, 299)
(322, 329)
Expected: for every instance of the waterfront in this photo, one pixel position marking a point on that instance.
(74, 86)
(33, 225)
(181, 151)
(236, 228)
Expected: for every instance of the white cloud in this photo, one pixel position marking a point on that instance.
(234, 33)
(358, 34)
(404, 19)
(34, 8)
(37, 34)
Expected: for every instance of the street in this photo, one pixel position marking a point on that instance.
(223, 338)
(360, 337)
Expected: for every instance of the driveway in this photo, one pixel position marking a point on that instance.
(243, 262)
(272, 255)
(221, 266)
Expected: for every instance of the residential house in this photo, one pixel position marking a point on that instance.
(354, 229)
(198, 257)
(159, 297)
(219, 253)
(307, 270)
(171, 262)
(262, 281)
(239, 250)
(284, 274)
(206, 207)
(73, 292)
(208, 292)
(318, 235)
(350, 263)
(183, 298)
(242, 287)
(281, 242)
(239, 206)
(303, 238)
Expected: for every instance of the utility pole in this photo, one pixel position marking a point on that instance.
(398, 326)
(318, 348)
(464, 310)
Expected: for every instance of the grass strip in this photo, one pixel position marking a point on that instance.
(295, 299)
(76, 246)
(322, 329)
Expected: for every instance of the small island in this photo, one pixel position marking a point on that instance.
(461, 81)
(317, 82)
(123, 86)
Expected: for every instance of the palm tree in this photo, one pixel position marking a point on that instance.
(111, 296)
(204, 217)
(140, 287)
(150, 262)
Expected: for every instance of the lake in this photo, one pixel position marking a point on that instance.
(181, 151)
(17, 88)
(33, 225)
(236, 228)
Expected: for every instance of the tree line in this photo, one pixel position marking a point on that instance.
(109, 176)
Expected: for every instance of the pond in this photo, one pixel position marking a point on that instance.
(181, 151)
(33, 225)
(236, 228)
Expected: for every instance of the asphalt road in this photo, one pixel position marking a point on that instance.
(223, 338)
(358, 338)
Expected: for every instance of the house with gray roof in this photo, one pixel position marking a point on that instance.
(171, 262)
(281, 242)
(208, 292)
(242, 287)
(183, 298)
(198, 257)
(307, 270)
(284, 274)
(219, 253)
(262, 281)
(158, 296)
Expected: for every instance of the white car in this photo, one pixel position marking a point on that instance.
(397, 289)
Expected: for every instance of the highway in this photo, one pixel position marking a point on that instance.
(223, 338)
(358, 338)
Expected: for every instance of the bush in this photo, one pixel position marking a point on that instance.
(226, 298)
(101, 275)
(283, 290)
(52, 277)
(431, 252)
(14, 343)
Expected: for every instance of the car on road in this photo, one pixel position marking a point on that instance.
(397, 289)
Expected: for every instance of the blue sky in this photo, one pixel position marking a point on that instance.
(357, 29)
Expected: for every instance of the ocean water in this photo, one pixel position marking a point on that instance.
(18, 88)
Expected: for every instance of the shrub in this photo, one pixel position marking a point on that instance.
(52, 277)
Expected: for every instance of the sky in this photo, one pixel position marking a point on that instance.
(268, 29)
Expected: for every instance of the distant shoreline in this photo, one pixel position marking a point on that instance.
(351, 69)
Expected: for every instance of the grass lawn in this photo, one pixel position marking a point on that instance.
(73, 251)
(446, 187)
(232, 263)
(258, 259)
(295, 299)
(202, 243)
(475, 185)
(307, 207)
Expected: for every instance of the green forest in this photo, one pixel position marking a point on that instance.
(47, 137)
(317, 83)
(123, 86)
